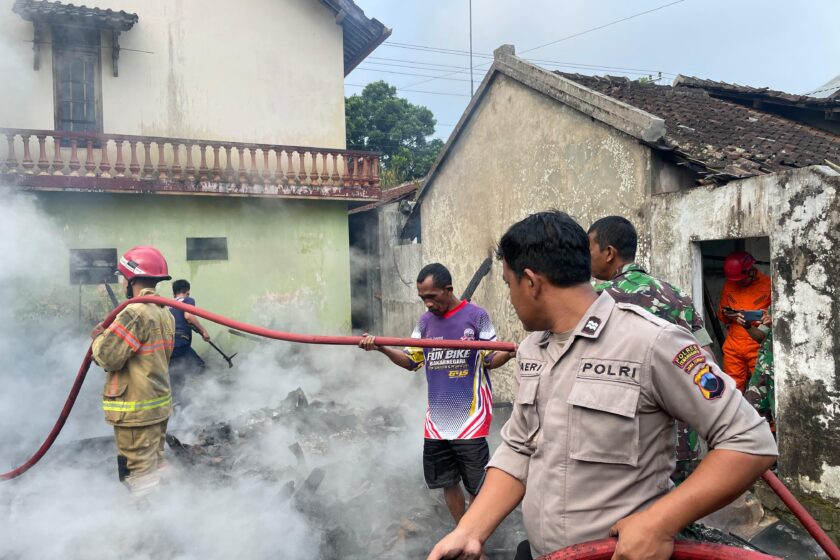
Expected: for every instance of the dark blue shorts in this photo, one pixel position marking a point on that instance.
(448, 462)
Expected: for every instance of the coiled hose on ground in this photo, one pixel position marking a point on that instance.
(683, 550)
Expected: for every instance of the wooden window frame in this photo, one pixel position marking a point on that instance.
(60, 49)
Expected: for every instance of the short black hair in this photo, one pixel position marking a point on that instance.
(180, 287)
(618, 232)
(438, 272)
(549, 243)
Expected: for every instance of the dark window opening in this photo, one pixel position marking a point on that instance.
(93, 266)
(207, 249)
(365, 283)
(77, 81)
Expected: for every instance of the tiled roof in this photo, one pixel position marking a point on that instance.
(723, 138)
(756, 93)
(69, 14)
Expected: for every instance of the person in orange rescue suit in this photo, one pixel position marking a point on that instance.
(746, 289)
(134, 351)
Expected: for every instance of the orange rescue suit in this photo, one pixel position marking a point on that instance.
(739, 349)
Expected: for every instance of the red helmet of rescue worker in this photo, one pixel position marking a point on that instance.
(737, 265)
(144, 262)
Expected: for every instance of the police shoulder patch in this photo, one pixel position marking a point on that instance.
(689, 358)
(710, 384)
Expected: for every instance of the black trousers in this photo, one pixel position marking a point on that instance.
(523, 551)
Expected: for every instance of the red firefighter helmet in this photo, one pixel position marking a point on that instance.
(737, 265)
(144, 262)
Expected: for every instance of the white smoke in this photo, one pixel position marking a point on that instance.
(72, 505)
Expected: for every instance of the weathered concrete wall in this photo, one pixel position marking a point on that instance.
(522, 152)
(288, 260)
(399, 266)
(267, 72)
(800, 212)
(736, 210)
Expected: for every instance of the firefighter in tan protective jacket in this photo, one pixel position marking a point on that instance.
(134, 351)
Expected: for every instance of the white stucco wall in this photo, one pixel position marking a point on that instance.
(262, 71)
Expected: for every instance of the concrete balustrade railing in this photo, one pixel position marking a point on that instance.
(52, 159)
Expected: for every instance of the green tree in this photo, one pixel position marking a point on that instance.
(378, 120)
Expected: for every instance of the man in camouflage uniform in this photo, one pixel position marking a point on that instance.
(612, 244)
(761, 390)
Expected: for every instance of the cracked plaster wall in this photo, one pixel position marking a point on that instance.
(520, 153)
(799, 211)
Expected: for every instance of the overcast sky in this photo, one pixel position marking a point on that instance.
(788, 45)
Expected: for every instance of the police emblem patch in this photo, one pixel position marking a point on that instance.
(710, 385)
(591, 326)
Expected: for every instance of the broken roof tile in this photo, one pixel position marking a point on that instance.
(719, 134)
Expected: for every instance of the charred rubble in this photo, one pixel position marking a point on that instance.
(390, 515)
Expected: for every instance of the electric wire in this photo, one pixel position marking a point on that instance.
(566, 38)
(540, 61)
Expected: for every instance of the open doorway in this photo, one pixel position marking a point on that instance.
(710, 278)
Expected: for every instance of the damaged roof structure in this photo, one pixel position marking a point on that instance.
(706, 125)
(723, 139)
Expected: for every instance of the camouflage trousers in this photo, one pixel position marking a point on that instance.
(688, 452)
(761, 390)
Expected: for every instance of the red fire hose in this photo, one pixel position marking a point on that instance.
(683, 550)
(596, 550)
(802, 515)
(245, 327)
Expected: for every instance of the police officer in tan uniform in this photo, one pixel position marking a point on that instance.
(134, 351)
(589, 446)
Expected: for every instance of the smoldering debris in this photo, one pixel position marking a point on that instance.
(386, 516)
(331, 479)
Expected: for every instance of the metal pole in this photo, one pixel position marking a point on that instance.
(472, 88)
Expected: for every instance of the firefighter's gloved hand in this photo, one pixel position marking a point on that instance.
(641, 538)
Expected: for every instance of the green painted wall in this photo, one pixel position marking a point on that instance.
(288, 260)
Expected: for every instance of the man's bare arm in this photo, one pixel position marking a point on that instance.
(499, 495)
(721, 477)
(498, 359)
(397, 356)
(193, 320)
